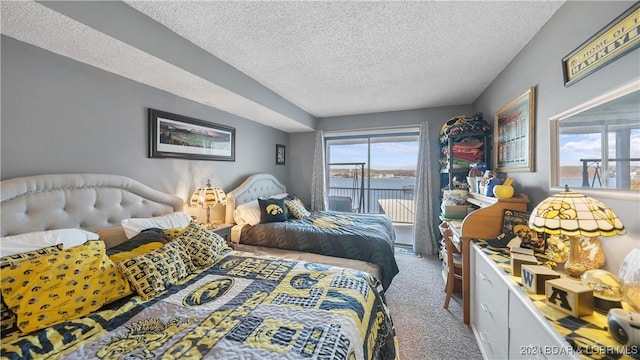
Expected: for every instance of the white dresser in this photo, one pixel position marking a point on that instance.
(506, 323)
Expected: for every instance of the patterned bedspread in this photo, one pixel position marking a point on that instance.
(243, 307)
(365, 237)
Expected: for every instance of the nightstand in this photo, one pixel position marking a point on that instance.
(224, 230)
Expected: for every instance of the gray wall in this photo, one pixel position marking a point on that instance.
(539, 65)
(62, 116)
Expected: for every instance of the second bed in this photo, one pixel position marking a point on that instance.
(361, 241)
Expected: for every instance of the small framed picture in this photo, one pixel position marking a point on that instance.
(280, 154)
(516, 225)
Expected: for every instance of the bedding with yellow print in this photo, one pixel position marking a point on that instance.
(8, 320)
(271, 308)
(199, 239)
(56, 287)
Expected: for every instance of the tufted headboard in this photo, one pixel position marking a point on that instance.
(85, 201)
(255, 186)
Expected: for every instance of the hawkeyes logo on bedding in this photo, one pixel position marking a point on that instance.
(274, 209)
(208, 292)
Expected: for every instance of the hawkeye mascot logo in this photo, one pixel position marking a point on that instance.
(274, 209)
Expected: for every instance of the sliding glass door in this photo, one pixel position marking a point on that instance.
(373, 173)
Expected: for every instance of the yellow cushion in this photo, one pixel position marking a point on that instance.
(172, 261)
(203, 245)
(296, 207)
(153, 272)
(8, 320)
(65, 285)
(143, 276)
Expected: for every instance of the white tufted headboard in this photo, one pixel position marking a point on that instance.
(255, 186)
(85, 201)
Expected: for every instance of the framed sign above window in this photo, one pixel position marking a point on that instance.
(177, 136)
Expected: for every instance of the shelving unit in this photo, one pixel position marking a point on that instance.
(448, 173)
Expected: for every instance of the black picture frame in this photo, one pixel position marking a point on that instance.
(177, 136)
(281, 153)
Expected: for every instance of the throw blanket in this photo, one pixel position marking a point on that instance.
(366, 237)
(243, 307)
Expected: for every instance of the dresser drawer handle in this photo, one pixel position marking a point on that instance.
(484, 276)
(485, 307)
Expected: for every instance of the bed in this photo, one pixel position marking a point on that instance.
(367, 240)
(222, 304)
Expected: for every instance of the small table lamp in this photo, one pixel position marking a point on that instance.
(575, 215)
(208, 197)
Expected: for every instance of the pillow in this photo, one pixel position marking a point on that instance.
(247, 213)
(40, 239)
(153, 272)
(203, 245)
(296, 207)
(147, 240)
(272, 210)
(143, 276)
(8, 320)
(56, 287)
(173, 233)
(174, 220)
(172, 262)
(112, 236)
(289, 213)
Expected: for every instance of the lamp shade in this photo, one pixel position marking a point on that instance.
(573, 214)
(195, 198)
(208, 196)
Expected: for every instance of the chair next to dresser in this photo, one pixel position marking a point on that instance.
(483, 223)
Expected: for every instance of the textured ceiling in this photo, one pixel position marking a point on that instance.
(341, 58)
(328, 58)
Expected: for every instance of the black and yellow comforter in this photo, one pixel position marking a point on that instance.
(243, 307)
(366, 237)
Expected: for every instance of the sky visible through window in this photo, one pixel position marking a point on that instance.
(384, 155)
(574, 147)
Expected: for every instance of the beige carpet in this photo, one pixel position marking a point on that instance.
(425, 330)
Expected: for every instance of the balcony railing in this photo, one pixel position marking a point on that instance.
(397, 203)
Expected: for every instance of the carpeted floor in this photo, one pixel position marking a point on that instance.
(425, 330)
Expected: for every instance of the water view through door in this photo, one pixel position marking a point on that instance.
(375, 174)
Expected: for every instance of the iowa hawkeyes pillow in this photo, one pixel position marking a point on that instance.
(272, 210)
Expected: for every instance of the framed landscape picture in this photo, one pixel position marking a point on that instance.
(177, 136)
